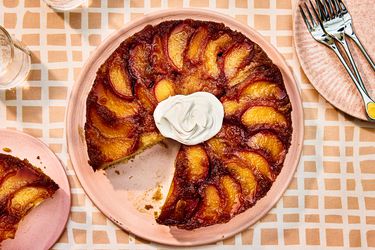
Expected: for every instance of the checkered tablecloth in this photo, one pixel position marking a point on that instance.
(331, 200)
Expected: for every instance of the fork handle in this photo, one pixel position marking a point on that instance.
(343, 62)
(352, 62)
(362, 48)
(369, 103)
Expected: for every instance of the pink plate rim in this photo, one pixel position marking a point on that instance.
(62, 182)
(297, 117)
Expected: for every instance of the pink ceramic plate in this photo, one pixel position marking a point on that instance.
(324, 69)
(43, 226)
(123, 191)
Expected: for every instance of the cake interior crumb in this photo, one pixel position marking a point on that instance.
(158, 194)
(148, 207)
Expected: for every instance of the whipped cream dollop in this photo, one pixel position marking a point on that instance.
(189, 119)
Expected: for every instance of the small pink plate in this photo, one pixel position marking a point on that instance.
(42, 227)
(124, 193)
(325, 70)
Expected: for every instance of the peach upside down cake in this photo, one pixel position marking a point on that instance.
(22, 187)
(221, 177)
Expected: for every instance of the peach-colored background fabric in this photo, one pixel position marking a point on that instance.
(331, 200)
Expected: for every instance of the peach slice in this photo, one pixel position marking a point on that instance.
(125, 129)
(244, 176)
(146, 98)
(252, 68)
(269, 143)
(124, 109)
(15, 181)
(197, 42)
(177, 44)
(264, 90)
(27, 198)
(158, 55)
(163, 89)
(217, 146)
(198, 163)
(233, 195)
(241, 75)
(114, 103)
(139, 60)
(234, 58)
(211, 207)
(213, 48)
(103, 151)
(258, 115)
(257, 162)
(230, 107)
(119, 78)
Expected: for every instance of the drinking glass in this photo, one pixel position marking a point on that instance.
(14, 61)
(64, 5)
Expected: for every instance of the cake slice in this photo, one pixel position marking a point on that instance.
(22, 187)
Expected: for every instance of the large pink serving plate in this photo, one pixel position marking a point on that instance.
(123, 191)
(42, 227)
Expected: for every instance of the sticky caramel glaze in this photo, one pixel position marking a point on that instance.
(225, 175)
(22, 187)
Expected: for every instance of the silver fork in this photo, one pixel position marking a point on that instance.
(343, 12)
(335, 26)
(315, 27)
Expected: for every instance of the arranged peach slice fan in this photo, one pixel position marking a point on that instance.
(22, 187)
(221, 177)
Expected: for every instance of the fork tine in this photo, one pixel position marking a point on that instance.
(311, 17)
(328, 3)
(342, 5)
(305, 18)
(320, 11)
(336, 7)
(316, 14)
(326, 12)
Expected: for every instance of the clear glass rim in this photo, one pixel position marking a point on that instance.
(20, 80)
(65, 7)
(11, 43)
